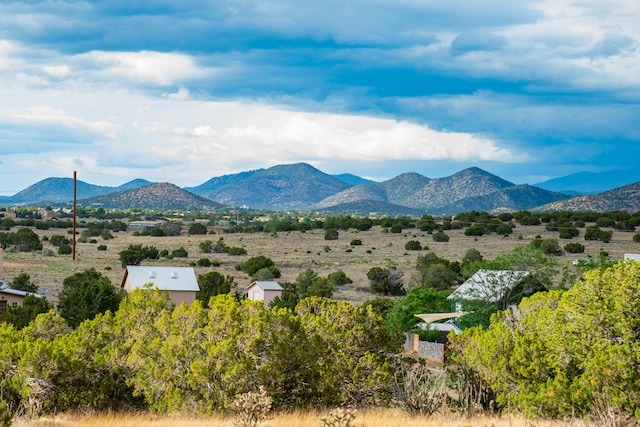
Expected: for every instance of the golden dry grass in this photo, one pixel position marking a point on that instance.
(293, 252)
(371, 418)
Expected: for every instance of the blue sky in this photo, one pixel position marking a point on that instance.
(182, 91)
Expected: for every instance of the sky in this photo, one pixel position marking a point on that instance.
(184, 91)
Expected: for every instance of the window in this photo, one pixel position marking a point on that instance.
(14, 304)
(3, 307)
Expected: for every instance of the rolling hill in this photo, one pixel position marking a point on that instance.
(161, 196)
(625, 198)
(57, 190)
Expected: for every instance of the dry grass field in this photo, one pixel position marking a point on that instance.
(373, 418)
(293, 252)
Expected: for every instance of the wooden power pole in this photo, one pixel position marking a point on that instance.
(75, 186)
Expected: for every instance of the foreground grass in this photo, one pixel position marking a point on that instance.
(378, 418)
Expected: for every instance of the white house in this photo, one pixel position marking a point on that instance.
(489, 286)
(262, 290)
(181, 282)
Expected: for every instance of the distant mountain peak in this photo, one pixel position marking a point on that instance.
(161, 196)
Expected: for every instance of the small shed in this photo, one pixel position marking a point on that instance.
(488, 286)
(181, 282)
(263, 290)
(12, 297)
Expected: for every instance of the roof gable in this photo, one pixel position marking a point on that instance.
(162, 277)
(267, 285)
(488, 285)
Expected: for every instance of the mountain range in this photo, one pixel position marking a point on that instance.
(591, 182)
(302, 187)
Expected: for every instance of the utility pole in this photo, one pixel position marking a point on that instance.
(75, 186)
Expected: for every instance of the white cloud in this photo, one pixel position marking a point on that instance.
(270, 135)
(45, 115)
(57, 71)
(159, 68)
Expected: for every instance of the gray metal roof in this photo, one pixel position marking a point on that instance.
(4, 288)
(488, 285)
(267, 285)
(163, 277)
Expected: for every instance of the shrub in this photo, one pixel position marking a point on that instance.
(569, 232)
(331, 234)
(474, 230)
(64, 250)
(179, 253)
(356, 242)
(251, 408)
(413, 245)
(197, 228)
(208, 246)
(339, 417)
(471, 255)
(57, 240)
(550, 247)
(440, 236)
(636, 237)
(102, 247)
(204, 262)
(504, 229)
(574, 248)
(234, 250)
(252, 265)
(396, 228)
(157, 232)
(594, 233)
(106, 234)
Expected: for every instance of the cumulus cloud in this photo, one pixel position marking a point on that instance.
(148, 67)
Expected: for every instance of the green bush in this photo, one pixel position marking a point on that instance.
(102, 247)
(504, 229)
(550, 247)
(594, 233)
(356, 242)
(204, 262)
(474, 230)
(331, 234)
(569, 232)
(636, 237)
(440, 236)
(413, 245)
(197, 228)
(574, 248)
(57, 240)
(234, 250)
(179, 253)
(64, 250)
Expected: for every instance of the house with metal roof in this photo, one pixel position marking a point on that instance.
(487, 286)
(12, 297)
(264, 290)
(181, 282)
